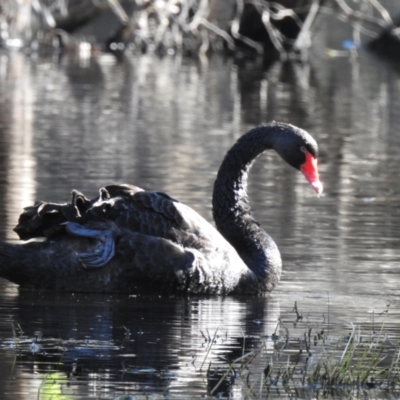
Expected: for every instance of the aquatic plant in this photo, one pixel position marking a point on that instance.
(315, 364)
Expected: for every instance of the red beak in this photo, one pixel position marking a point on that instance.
(310, 171)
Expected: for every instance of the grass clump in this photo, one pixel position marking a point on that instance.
(360, 363)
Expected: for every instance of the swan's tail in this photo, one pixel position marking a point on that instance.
(50, 265)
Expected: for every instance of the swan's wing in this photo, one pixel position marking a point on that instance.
(155, 233)
(158, 215)
(159, 229)
(147, 258)
(129, 207)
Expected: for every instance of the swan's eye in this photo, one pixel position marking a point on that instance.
(303, 149)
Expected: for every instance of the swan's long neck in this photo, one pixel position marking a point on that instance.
(231, 207)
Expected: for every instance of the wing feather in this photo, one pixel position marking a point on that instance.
(156, 214)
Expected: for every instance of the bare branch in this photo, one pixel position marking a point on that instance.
(303, 39)
(274, 34)
(359, 16)
(382, 10)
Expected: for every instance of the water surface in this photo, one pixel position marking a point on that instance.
(165, 124)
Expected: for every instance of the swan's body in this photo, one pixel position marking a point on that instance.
(131, 240)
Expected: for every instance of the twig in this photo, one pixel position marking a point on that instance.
(295, 309)
(209, 348)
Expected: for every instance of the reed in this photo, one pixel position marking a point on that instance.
(358, 363)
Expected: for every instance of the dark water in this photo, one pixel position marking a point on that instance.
(165, 124)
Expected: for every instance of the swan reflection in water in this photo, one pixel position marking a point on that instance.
(128, 240)
(94, 344)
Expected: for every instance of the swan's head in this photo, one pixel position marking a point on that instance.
(299, 149)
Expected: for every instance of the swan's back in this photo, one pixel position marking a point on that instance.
(158, 240)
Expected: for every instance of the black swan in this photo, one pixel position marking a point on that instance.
(127, 240)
